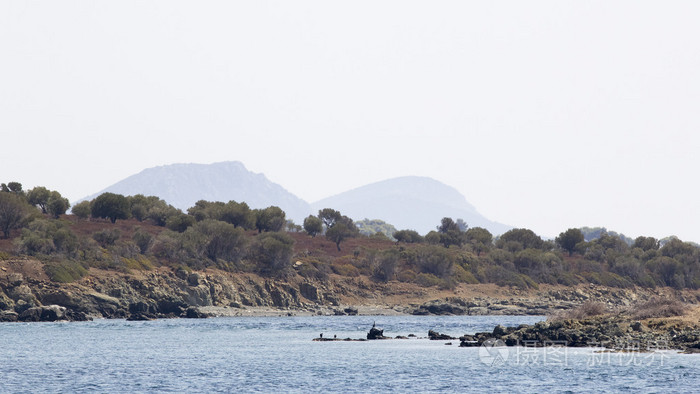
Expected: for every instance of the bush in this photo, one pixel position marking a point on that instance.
(345, 270)
(273, 252)
(658, 307)
(65, 271)
(428, 280)
(107, 237)
(464, 276)
(583, 311)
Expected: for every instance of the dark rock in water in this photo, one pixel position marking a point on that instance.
(375, 333)
(194, 313)
(43, 313)
(436, 336)
(499, 331)
(8, 316)
(351, 311)
(140, 317)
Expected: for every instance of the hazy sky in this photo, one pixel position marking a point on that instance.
(544, 114)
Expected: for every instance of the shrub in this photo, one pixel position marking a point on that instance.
(658, 307)
(464, 276)
(345, 270)
(65, 271)
(428, 280)
(583, 311)
(107, 237)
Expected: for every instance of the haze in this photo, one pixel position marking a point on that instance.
(545, 115)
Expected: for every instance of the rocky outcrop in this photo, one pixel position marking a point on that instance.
(151, 295)
(436, 336)
(614, 332)
(375, 333)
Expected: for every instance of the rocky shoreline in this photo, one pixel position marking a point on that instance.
(26, 294)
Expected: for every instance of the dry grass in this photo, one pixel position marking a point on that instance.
(658, 307)
(585, 310)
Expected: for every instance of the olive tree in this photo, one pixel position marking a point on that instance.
(14, 212)
(110, 205)
(313, 225)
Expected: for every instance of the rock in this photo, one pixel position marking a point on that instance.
(6, 302)
(309, 291)
(436, 336)
(104, 298)
(194, 313)
(139, 317)
(43, 313)
(194, 279)
(499, 331)
(351, 311)
(375, 333)
(15, 279)
(8, 316)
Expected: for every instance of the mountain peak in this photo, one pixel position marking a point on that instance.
(183, 184)
(408, 202)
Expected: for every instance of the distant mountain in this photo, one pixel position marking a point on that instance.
(417, 203)
(410, 202)
(181, 185)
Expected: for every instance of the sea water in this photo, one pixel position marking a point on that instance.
(277, 354)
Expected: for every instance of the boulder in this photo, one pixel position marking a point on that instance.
(309, 291)
(375, 333)
(8, 316)
(350, 311)
(436, 336)
(43, 313)
(194, 313)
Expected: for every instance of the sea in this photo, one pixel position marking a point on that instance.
(278, 355)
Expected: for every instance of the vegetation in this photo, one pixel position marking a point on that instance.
(146, 232)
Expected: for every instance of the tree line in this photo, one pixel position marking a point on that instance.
(232, 236)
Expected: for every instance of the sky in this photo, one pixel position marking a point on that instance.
(543, 114)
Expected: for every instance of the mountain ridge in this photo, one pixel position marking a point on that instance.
(408, 202)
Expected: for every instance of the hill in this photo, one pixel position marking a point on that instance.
(181, 185)
(410, 202)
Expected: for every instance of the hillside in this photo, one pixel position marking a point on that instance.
(181, 185)
(410, 202)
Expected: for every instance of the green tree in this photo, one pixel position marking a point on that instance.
(375, 226)
(342, 229)
(386, 264)
(218, 240)
(57, 205)
(408, 236)
(82, 209)
(14, 212)
(569, 239)
(479, 238)
(273, 252)
(313, 225)
(521, 237)
(451, 233)
(110, 205)
(180, 222)
(270, 219)
(39, 196)
(240, 215)
(12, 187)
(329, 216)
(646, 243)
